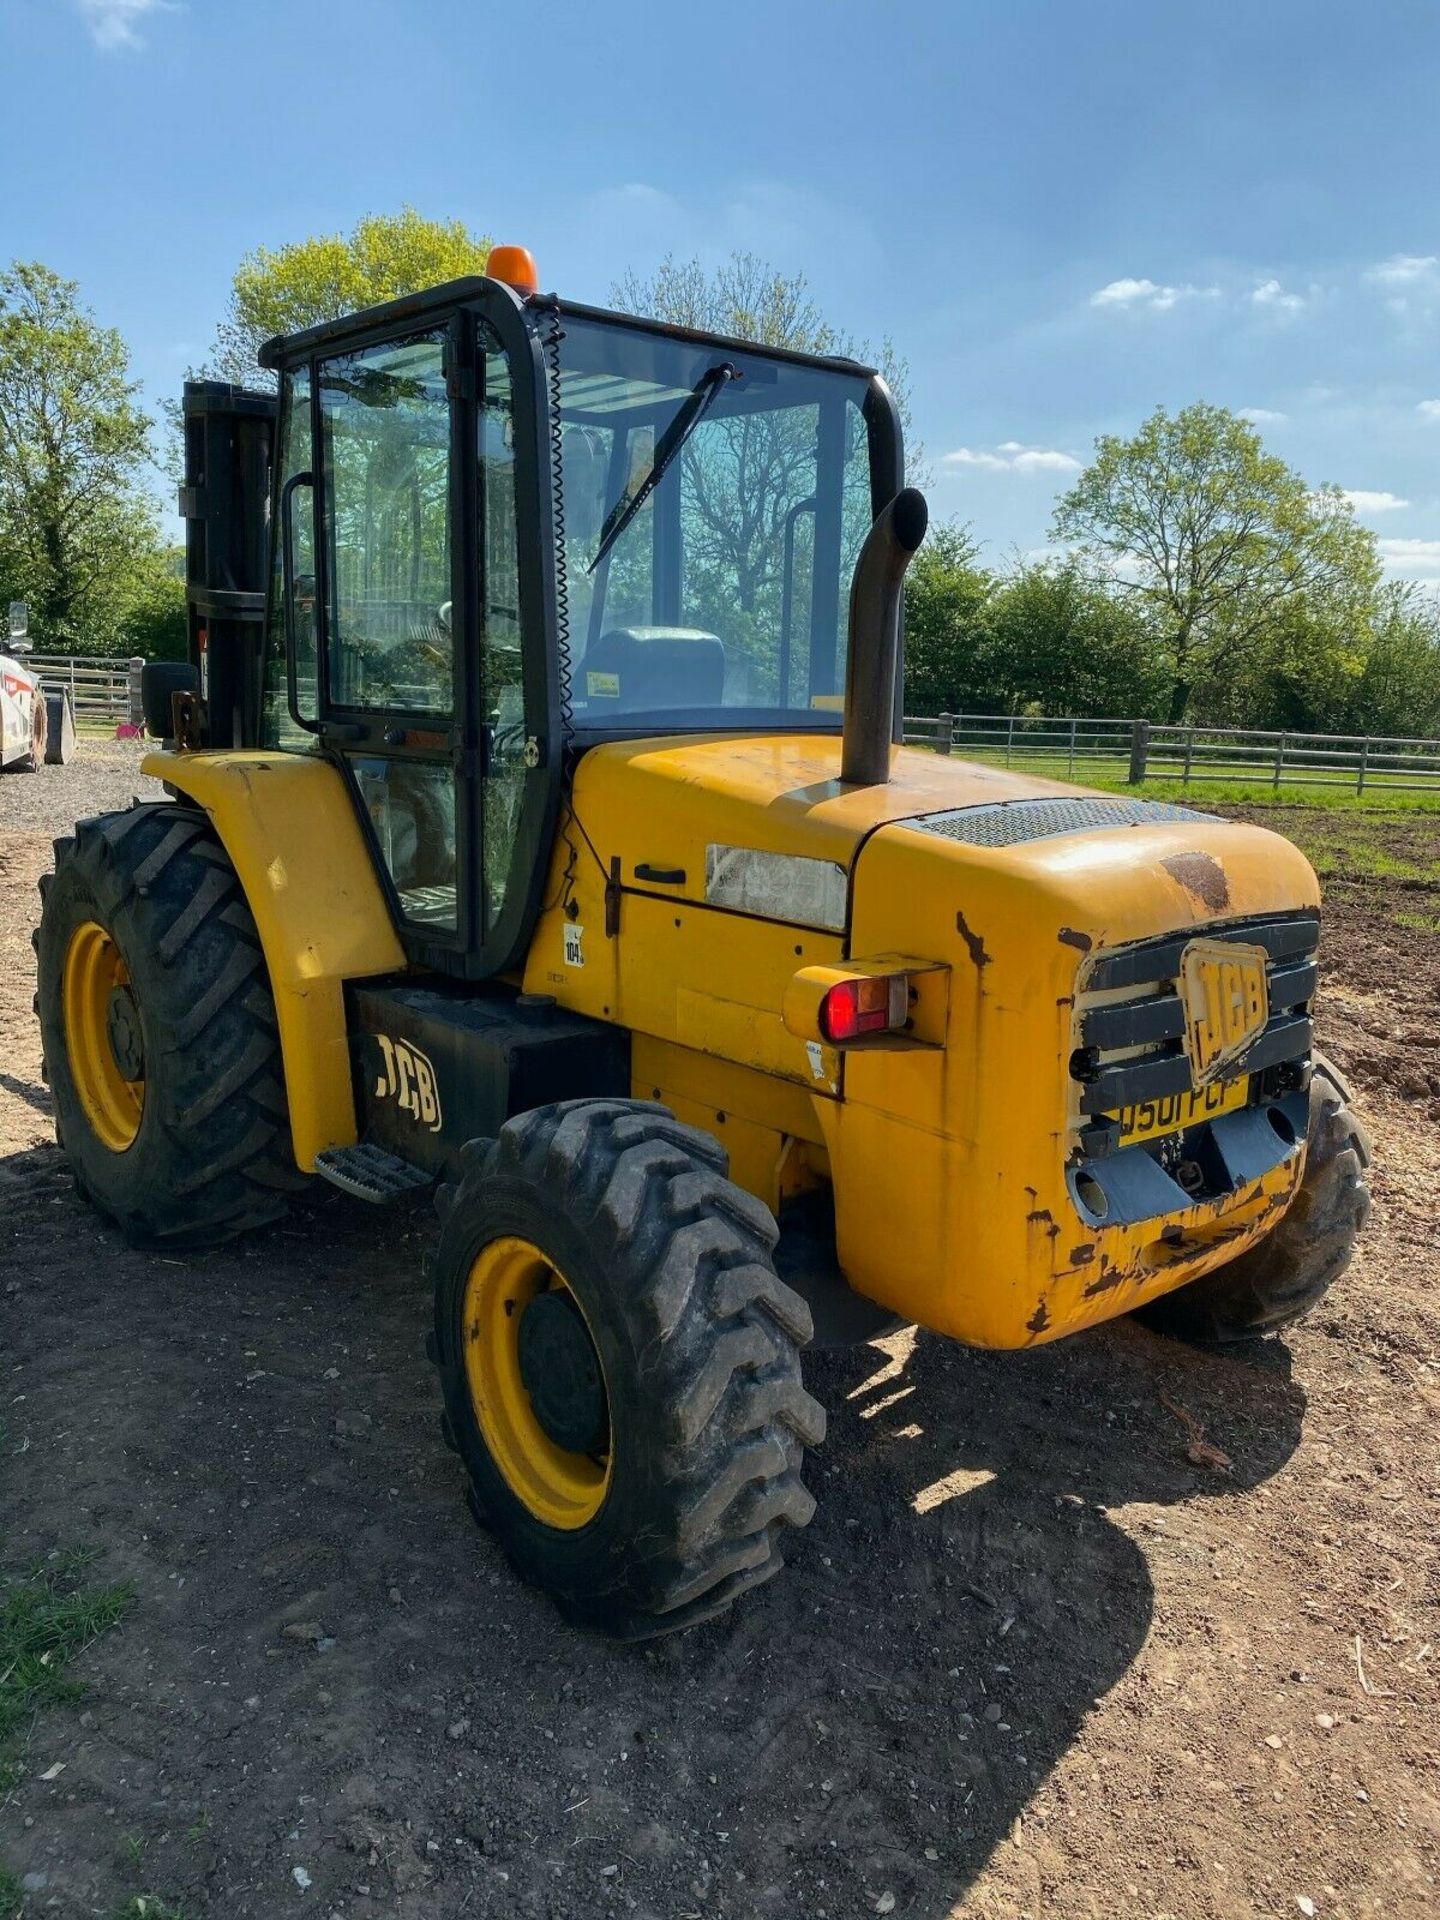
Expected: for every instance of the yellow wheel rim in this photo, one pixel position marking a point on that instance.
(94, 970)
(563, 1489)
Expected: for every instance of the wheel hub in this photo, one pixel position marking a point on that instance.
(560, 1370)
(104, 1047)
(122, 1030)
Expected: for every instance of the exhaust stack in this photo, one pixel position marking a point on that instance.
(872, 657)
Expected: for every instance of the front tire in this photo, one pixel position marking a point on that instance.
(158, 1029)
(1278, 1282)
(635, 1441)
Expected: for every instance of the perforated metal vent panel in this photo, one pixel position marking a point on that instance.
(1010, 822)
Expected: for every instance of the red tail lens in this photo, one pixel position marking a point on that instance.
(853, 1008)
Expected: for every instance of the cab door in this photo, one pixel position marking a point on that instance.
(393, 699)
(413, 622)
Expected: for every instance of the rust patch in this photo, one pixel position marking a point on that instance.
(1202, 875)
(1109, 1277)
(1082, 1255)
(1036, 1214)
(1073, 939)
(1039, 1320)
(972, 941)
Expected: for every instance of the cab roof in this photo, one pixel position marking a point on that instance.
(285, 348)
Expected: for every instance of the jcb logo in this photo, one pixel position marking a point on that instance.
(409, 1080)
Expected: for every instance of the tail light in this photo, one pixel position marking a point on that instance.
(890, 1001)
(873, 1003)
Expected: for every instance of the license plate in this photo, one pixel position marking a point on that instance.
(1149, 1119)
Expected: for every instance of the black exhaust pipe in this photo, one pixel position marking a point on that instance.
(872, 657)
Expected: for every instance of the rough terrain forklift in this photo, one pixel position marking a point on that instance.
(538, 832)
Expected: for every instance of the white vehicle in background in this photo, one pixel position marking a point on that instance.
(23, 717)
(36, 723)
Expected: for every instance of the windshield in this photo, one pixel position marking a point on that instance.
(715, 501)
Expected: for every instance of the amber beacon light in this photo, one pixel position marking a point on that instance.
(516, 267)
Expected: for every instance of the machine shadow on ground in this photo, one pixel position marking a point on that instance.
(964, 1599)
(960, 1602)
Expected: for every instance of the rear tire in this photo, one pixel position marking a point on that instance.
(39, 729)
(172, 1111)
(696, 1342)
(1278, 1282)
(59, 730)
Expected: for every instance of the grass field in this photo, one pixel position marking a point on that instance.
(1108, 772)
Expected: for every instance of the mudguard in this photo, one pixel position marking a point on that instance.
(289, 826)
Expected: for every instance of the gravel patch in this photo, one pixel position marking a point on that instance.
(103, 777)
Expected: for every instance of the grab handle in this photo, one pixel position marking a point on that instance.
(287, 588)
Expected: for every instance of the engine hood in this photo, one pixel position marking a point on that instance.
(687, 817)
(667, 803)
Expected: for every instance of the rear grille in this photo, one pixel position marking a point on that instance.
(1010, 823)
(1131, 1021)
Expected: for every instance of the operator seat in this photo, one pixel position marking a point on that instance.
(645, 669)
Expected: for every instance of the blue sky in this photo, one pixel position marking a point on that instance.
(1061, 213)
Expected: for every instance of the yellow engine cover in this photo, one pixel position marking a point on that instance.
(697, 878)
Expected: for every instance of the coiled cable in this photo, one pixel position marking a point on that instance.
(564, 674)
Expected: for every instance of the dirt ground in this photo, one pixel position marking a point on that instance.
(1029, 1660)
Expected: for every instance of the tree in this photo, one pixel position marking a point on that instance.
(283, 289)
(1397, 689)
(153, 625)
(1216, 540)
(947, 635)
(1061, 643)
(77, 528)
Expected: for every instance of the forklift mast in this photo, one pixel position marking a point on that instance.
(229, 435)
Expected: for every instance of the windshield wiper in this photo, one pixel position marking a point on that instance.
(666, 447)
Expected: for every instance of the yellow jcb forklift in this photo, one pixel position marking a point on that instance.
(539, 833)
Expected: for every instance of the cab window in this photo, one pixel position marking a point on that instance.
(710, 585)
(385, 432)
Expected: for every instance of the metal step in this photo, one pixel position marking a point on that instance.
(371, 1174)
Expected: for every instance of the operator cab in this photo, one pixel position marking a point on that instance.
(507, 528)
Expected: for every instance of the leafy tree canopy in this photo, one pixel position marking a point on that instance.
(1217, 541)
(283, 289)
(1061, 643)
(78, 533)
(947, 633)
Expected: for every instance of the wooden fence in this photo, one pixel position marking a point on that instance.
(1191, 756)
(101, 691)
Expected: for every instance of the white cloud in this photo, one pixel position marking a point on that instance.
(1134, 294)
(1363, 500)
(1271, 294)
(1404, 269)
(116, 23)
(1263, 416)
(1012, 456)
(1429, 409)
(1120, 293)
(1412, 559)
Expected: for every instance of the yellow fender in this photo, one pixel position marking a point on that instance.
(289, 827)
